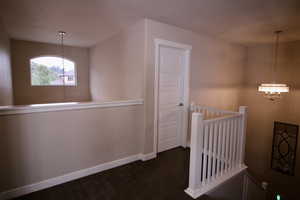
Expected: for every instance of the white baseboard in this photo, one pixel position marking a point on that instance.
(72, 176)
(149, 156)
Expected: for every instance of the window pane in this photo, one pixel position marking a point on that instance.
(50, 71)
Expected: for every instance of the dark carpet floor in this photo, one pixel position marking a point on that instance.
(163, 178)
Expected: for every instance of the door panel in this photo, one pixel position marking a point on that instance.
(171, 68)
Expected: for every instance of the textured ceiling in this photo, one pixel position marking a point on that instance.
(90, 21)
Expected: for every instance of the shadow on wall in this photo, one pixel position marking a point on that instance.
(263, 112)
(261, 117)
(11, 147)
(6, 91)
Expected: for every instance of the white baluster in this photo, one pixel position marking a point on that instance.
(216, 128)
(205, 146)
(223, 147)
(219, 156)
(230, 143)
(227, 145)
(196, 151)
(239, 135)
(210, 149)
(235, 141)
(243, 111)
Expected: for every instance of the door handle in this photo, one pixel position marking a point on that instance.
(180, 104)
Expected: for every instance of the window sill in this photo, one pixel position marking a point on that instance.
(50, 107)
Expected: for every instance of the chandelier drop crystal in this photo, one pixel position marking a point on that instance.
(273, 90)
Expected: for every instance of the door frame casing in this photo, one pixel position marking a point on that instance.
(186, 94)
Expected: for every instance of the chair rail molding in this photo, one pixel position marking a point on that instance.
(51, 107)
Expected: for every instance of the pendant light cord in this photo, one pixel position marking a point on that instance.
(275, 62)
(62, 34)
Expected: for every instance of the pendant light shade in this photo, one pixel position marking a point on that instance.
(273, 88)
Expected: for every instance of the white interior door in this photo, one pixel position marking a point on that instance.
(170, 97)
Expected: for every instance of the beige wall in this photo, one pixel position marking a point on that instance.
(105, 76)
(121, 67)
(263, 113)
(216, 74)
(117, 65)
(6, 94)
(39, 146)
(24, 93)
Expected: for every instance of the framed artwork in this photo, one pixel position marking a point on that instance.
(285, 137)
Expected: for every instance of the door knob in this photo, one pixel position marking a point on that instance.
(180, 104)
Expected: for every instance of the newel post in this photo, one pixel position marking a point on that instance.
(243, 110)
(196, 152)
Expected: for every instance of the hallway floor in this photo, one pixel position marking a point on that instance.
(162, 178)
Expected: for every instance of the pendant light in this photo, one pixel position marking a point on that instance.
(273, 90)
(62, 35)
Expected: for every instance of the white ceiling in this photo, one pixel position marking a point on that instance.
(90, 21)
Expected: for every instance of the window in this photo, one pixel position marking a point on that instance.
(47, 71)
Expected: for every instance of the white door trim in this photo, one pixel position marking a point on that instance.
(188, 49)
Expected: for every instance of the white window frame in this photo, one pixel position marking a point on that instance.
(75, 72)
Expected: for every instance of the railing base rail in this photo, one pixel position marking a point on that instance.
(195, 193)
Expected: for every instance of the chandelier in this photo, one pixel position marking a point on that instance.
(273, 91)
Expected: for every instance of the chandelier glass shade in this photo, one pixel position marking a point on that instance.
(273, 90)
